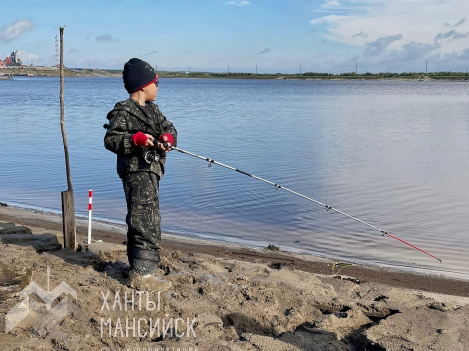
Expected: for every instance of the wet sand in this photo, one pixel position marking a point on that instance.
(223, 297)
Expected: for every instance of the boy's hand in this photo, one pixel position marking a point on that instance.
(166, 147)
(149, 141)
(165, 143)
(141, 139)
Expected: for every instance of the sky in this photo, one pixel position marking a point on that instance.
(267, 36)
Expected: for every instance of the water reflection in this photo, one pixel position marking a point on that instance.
(391, 153)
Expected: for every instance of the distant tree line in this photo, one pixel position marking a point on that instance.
(319, 75)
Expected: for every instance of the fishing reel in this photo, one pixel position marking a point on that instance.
(152, 154)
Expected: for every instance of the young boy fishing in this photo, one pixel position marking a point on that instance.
(141, 136)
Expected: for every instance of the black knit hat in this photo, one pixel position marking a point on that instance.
(138, 74)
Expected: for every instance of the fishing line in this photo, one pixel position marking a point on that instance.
(342, 265)
(328, 208)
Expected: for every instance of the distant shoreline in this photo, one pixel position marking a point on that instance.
(54, 72)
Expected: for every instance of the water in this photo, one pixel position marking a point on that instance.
(391, 153)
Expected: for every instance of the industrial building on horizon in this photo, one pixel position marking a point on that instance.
(12, 60)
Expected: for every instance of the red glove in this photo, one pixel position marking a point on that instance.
(169, 138)
(139, 139)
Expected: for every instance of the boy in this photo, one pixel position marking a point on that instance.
(141, 136)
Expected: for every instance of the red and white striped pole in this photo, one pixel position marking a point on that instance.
(90, 209)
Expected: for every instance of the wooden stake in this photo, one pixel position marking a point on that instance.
(68, 218)
(68, 204)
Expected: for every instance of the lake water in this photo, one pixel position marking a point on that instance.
(394, 154)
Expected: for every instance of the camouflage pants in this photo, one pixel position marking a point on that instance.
(143, 221)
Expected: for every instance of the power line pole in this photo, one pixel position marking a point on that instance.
(56, 52)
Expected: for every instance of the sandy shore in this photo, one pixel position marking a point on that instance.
(224, 297)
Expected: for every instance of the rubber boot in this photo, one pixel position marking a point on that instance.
(148, 282)
(141, 276)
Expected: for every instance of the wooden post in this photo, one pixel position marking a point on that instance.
(68, 218)
(68, 204)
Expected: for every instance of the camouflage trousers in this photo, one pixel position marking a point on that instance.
(143, 221)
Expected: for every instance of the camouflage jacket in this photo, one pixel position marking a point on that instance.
(126, 119)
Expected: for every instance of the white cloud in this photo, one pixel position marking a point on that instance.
(330, 19)
(379, 46)
(16, 29)
(27, 58)
(344, 5)
(460, 23)
(330, 4)
(238, 3)
(396, 35)
(451, 35)
(419, 21)
(361, 34)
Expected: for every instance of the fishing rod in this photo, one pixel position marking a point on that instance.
(277, 186)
